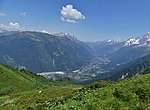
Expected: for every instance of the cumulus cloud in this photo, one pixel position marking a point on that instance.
(23, 13)
(70, 14)
(2, 14)
(11, 27)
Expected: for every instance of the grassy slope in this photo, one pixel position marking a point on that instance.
(128, 94)
(22, 90)
(131, 94)
(12, 80)
(34, 99)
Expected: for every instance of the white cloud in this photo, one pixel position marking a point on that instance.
(69, 14)
(11, 27)
(15, 25)
(23, 13)
(68, 20)
(2, 14)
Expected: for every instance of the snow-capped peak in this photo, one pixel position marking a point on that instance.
(62, 34)
(132, 41)
(139, 41)
(109, 40)
(44, 31)
(142, 40)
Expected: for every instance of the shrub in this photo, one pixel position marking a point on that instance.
(143, 93)
(122, 95)
(99, 84)
(30, 108)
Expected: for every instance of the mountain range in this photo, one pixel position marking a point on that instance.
(61, 52)
(40, 52)
(113, 57)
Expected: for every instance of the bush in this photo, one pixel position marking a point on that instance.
(100, 84)
(30, 108)
(122, 95)
(143, 93)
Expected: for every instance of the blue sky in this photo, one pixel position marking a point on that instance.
(89, 20)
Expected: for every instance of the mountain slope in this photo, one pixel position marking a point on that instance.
(14, 80)
(39, 52)
(132, 94)
(111, 56)
(139, 66)
(122, 51)
(20, 89)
